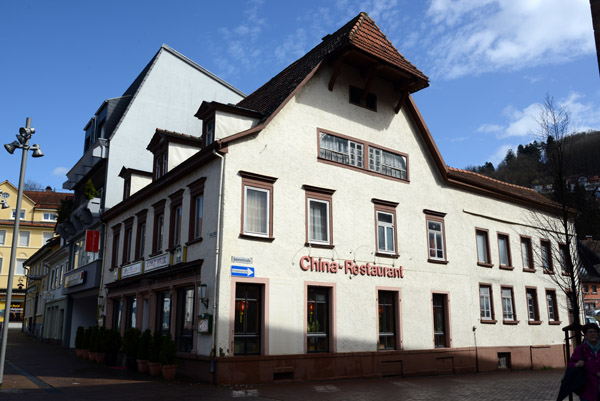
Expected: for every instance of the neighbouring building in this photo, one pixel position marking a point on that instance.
(165, 94)
(318, 234)
(589, 256)
(36, 227)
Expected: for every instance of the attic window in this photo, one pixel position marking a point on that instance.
(209, 132)
(356, 97)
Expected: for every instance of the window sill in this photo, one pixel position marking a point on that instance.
(507, 267)
(510, 322)
(554, 322)
(488, 321)
(529, 270)
(482, 264)
(438, 261)
(565, 274)
(324, 246)
(534, 322)
(194, 241)
(256, 238)
(387, 255)
(549, 271)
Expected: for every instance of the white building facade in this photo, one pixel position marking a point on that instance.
(319, 234)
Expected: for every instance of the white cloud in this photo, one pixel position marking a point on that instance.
(522, 122)
(476, 36)
(60, 171)
(500, 154)
(490, 128)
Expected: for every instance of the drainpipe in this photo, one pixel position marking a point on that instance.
(218, 260)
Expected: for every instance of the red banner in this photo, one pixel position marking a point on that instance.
(92, 240)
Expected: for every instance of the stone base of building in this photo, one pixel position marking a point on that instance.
(306, 367)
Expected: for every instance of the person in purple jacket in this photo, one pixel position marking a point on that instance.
(587, 355)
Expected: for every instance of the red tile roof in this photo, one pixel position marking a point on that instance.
(361, 33)
(47, 199)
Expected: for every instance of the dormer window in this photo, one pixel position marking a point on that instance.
(160, 164)
(357, 98)
(209, 132)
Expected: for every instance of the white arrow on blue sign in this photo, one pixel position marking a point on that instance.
(242, 271)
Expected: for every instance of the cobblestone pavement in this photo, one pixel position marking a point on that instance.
(39, 371)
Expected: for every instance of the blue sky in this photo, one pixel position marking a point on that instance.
(490, 62)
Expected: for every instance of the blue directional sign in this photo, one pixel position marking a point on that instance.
(242, 271)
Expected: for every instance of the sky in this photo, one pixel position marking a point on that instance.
(490, 63)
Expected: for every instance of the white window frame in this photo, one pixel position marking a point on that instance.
(265, 212)
(550, 301)
(14, 213)
(311, 240)
(508, 312)
(49, 216)
(386, 228)
(437, 245)
(377, 163)
(352, 154)
(485, 243)
(485, 302)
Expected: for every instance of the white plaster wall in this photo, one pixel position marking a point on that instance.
(138, 182)
(228, 124)
(288, 149)
(178, 153)
(168, 99)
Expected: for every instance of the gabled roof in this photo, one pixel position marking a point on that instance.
(360, 34)
(47, 199)
(162, 135)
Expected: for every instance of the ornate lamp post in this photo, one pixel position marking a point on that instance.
(22, 142)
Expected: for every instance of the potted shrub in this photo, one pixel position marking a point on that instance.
(111, 346)
(93, 344)
(100, 333)
(144, 351)
(154, 355)
(79, 338)
(168, 360)
(131, 339)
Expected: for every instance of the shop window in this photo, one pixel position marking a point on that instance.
(441, 327)
(483, 248)
(532, 305)
(504, 250)
(185, 319)
(175, 220)
(159, 227)
(117, 314)
(552, 306)
(257, 200)
(131, 320)
(527, 254)
(546, 250)
(163, 307)
(486, 304)
(317, 325)
(196, 209)
(140, 236)
(508, 305)
(388, 327)
(319, 228)
(436, 237)
(247, 325)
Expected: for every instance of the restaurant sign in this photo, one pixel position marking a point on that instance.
(131, 270)
(157, 262)
(75, 279)
(308, 263)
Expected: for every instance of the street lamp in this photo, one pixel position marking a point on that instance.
(22, 142)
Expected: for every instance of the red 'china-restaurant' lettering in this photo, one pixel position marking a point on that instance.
(308, 263)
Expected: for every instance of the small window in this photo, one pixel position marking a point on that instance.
(24, 238)
(504, 250)
(356, 97)
(175, 219)
(127, 245)
(140, 236)
(318, 216)
(527, 254)
(546, 251)
(14, 213)
(209, 132)
(385, 232)
(504, 360)
(483, 248)
(196, 209)
(585, 289)
(485, 302)
(532, 305)
(508, 304)
(435, 236)
(159, 226)
(160, 164)
(552, 306)
(594, 290)
(49, 216)
(257, 205)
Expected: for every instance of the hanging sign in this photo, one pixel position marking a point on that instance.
(92, 240)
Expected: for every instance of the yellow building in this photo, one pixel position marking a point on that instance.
(38, 219)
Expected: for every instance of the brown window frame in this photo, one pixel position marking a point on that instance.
(545, 244)
(205, 125)
(487, 263)
(394, 315)
(552, 293)
(195, 224)
(261, 183)
(176, 203)
(386, 207)
(436, 217)
(114, 262)
(508, 266)
(141, 228)
(127, 241)
(512, 301)
(323, 195)
(446, 315)
(536, 305)
(492, 318)
(527, 240)
(563, 261)
(159, 212)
